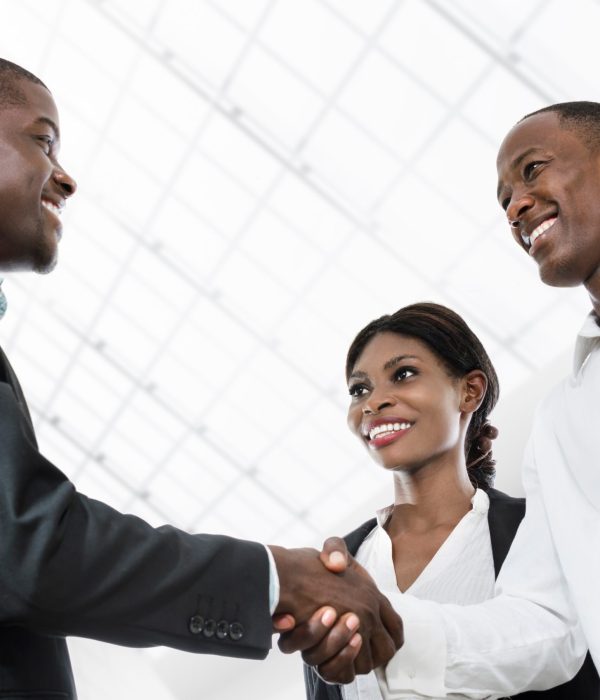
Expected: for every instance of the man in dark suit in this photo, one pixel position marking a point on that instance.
(73, 565)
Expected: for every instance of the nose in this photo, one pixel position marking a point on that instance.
(65, 182)
(518, 207)
(375, 404)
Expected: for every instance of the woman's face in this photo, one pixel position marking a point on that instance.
(403, 404)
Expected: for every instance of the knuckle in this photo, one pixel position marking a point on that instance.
(364, 662)
(310, 658)
(384, 651)
(284, 646)
(291, 643)
(336, 673)
(363, 665)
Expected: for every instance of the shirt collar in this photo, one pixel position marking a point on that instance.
(480, 501)
(2, 300)
(586, 341)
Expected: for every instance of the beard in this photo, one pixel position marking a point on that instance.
(44, 253)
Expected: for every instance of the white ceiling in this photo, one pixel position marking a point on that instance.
(257, 180)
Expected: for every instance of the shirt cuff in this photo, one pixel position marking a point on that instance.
(419, 667)
(273, 583)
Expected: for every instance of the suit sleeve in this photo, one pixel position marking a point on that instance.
(71, 565)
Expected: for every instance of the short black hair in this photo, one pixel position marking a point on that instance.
(11, 75)
(449, 337)
(582, 116)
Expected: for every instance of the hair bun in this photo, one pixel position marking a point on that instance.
(489, 430)
(483, 442)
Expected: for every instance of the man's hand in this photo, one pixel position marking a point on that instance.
(329, 608)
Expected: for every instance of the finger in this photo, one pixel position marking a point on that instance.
(310, 633)
(332, 644)
(283, 623)
(382, 644)
(382, 649)
(340, 669)
(364, 662)
(386, 636)
(392, 622)
(334, 554)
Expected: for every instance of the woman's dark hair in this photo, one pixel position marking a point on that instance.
(448, 336)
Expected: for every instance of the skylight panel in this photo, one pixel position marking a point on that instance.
(398, 112)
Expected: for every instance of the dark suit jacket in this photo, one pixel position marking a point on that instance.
(504, 515)
(70, 565)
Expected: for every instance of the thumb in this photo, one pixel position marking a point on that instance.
(334, 555)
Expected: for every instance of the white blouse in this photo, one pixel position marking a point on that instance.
(461, 571)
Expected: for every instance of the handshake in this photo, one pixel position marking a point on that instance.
(331, 610)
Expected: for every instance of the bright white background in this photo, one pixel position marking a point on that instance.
(257, 180)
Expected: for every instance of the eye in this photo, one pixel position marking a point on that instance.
(357, 390)
(530, 170)
(47, 141)
(403, 373)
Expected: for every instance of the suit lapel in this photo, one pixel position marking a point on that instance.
(355, 538)
(504, 516)
(8, 376)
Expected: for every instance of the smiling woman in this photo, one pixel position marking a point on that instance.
(421, 389)
(427, 354)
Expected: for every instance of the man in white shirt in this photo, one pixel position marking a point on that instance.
(534, 634)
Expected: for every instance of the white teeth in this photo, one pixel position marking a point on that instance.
(51, 207)
(387, 428)
(537, 232)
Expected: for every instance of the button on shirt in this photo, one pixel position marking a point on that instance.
(531, 635)
(462, 571)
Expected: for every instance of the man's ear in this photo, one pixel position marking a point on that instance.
(474, 387)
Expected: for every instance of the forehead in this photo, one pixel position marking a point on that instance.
(541, 132)
(386, 346)
(39, 104)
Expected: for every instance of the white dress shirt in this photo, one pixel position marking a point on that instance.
(531, 636)
(462, 571)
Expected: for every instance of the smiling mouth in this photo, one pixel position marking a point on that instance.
(385, 433)
(51, 207)
(386, 429)
(55, 212)
(537, 232)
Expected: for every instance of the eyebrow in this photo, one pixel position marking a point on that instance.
(388, 365)
(397, 360)
(515, 164)
(52, 124)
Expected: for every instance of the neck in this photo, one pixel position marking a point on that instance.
(592, 286)
(432, 496)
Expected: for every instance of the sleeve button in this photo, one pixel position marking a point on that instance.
(196, 624)
(236, 631)
(222, 629)
(210, 627)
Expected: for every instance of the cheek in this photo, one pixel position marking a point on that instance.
(353, 419)
(445, 419)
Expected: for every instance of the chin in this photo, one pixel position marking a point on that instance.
(44, 267)
(561, 274)
(44, 259)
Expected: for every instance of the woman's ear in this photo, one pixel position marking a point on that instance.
(474, 386)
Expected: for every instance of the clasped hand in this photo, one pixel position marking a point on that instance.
(331, 610)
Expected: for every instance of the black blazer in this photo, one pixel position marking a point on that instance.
(70, 565)
(504, 515)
